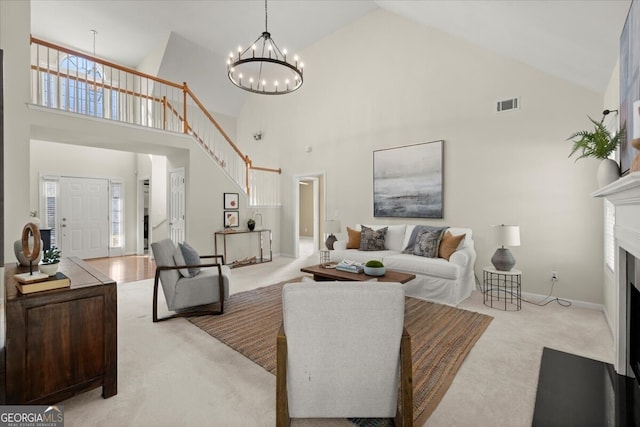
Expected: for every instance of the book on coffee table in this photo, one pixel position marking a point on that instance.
(350, 266)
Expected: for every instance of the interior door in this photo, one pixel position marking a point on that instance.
(177, 207)
(84, 217)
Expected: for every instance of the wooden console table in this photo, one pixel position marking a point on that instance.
(260, 259)
(60, 342)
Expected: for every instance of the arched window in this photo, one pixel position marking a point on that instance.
(80, 86)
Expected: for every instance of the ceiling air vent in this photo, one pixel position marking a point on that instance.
(508, 104)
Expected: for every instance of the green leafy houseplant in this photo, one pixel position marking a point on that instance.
(598, 143)
(51, 255)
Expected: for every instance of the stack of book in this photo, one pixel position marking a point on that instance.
(350, 266)
(28, 283)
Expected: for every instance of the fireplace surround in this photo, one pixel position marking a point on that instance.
(625, 195)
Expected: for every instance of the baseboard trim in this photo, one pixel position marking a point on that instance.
(542, 298)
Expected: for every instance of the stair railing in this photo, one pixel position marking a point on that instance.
(73, 81)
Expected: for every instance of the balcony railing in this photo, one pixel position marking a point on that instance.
(68, 80)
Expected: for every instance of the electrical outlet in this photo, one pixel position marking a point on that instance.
(554, 275)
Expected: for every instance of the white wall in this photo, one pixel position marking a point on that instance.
(385, 81)
(14, 41)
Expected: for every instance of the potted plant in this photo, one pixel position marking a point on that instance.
(598, 143)
(374, 268)
(50, 261)
(251, 224)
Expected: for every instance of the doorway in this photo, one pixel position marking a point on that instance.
(142, 245)
(177, 208)
(309, 208)
(84, 217)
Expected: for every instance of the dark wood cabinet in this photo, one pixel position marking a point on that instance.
(61, 342)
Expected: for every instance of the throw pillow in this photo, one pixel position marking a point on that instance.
(427, 244)
(449, 244)
(372, 240)
(179, 260)
(354, 238)
(191, 257)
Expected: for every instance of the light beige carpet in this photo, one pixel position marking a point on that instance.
(441, 338)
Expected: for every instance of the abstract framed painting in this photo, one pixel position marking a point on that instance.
(408, 181)
(629, 83)
(231, 219)
(231, 200)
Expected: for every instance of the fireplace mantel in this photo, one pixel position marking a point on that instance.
(625, 195)
(627, 187)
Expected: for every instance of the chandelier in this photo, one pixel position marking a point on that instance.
(263, 68)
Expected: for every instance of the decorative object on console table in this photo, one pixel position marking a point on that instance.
(599, 144)
(407, 181)
(251, 224)
(506, 235)
(57, 281)
(331, 226)
(50, 261)
(231, 201)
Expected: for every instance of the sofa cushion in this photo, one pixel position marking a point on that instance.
(427, 244)
(354, 238)
(449, 244)
(436, 267)
(372, 240)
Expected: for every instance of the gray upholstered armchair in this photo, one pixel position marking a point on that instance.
(342, 351)
(188, 286)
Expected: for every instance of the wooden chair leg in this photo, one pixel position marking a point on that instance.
(404, 416)
(282, 403)
(188, 313)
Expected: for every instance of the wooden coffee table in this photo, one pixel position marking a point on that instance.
(323, 274)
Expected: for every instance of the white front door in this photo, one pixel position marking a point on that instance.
(177, 207)
(84, 217)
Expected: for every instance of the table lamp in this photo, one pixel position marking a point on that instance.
(331, 226)
(506, 235)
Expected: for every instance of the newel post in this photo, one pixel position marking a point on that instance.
(185, 89)
(247, 162)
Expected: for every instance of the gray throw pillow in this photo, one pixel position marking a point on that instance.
(427, 244)
(179, 260)
(191, 257)
(372, 240)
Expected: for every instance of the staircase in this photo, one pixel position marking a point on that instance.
(68, 80)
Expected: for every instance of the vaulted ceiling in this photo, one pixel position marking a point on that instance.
(574, 39)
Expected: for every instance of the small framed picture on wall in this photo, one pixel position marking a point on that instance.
(231, 219)
(231, 200)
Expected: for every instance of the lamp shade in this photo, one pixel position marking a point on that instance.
(332, 226)
(507, 235)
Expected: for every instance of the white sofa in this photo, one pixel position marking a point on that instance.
(448, 282)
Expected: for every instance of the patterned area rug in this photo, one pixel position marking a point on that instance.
(441, 337)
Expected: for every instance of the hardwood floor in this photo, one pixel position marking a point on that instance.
(125, 268)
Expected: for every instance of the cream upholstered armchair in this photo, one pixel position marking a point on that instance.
(342, 351)
(188, 284)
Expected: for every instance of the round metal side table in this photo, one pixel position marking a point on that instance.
(502, 289)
